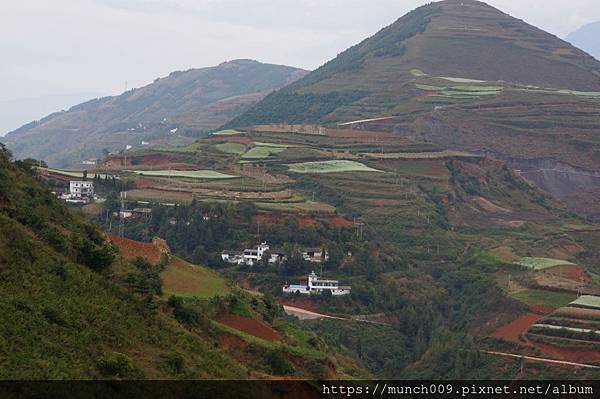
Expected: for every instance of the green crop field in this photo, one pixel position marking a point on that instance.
(588, 301)
(535, 297)
(228, 132)
(190, 174)
(231, 148)
(541, 263)
(330, 167)
(261, 152)
(274, 145)
(184, 279)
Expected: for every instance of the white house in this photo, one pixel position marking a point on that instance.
(81, 188)
(317, 285)
(315, 255)
(253, 256)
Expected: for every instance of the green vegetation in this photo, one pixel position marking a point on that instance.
(231, 148)
(62, 316)
(184, 279)
(541, 263)
(537, 297)
(191, 174)
(330, 167)
(261, 152)
(227, 132)
(587, 301)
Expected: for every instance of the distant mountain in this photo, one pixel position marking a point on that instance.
(586, 38)
(456, 38)
(171, 109)
(15, 113)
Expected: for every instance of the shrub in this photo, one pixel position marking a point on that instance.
(119, 366)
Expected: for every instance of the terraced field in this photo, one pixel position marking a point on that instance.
(541, 263)
(231, 148)
(264, 150)
(190, 174)
(330, 167)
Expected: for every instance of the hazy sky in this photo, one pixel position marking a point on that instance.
(52, 47)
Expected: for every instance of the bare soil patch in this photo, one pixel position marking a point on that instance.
(131, 249)
(513, 330)
(250, 326)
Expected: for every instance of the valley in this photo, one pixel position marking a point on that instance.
(401, 220)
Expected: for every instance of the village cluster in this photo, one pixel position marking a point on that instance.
(314, 285)
(83, 192)
(253, 256)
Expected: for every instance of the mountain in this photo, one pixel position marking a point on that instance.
(17, 112)
(170, 109)
(586, 38)
(454, 38)
(465, 75)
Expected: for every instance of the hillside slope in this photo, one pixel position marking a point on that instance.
(190, 101)
(449, 38)
(467, 76)
(71, 308)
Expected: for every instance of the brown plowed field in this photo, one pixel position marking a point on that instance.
(131, 249)
(250, 326)
(571, 272)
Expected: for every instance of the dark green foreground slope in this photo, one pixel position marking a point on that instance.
(60, 317)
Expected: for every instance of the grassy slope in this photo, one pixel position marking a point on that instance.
(184, 279)
(58, 317)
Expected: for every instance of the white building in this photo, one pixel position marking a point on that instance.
(315, 255)
(252, 256)
(317, 285)
(80, 189)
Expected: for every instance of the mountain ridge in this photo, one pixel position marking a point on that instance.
(191, 101)
(463, 39)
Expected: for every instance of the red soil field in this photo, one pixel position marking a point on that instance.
(302, 303)
(306, 220)
(132, 249)
(572, 272)
(567, 354)
(250, 326)
(339, 221)
(512, 331)
(230, 341)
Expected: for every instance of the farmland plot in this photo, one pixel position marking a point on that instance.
(587, 301)
(231, 148)
(264, 150)
(190, 174)
(541, 263)
(330, 167)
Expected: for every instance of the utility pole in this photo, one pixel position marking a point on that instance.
(122, 214)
